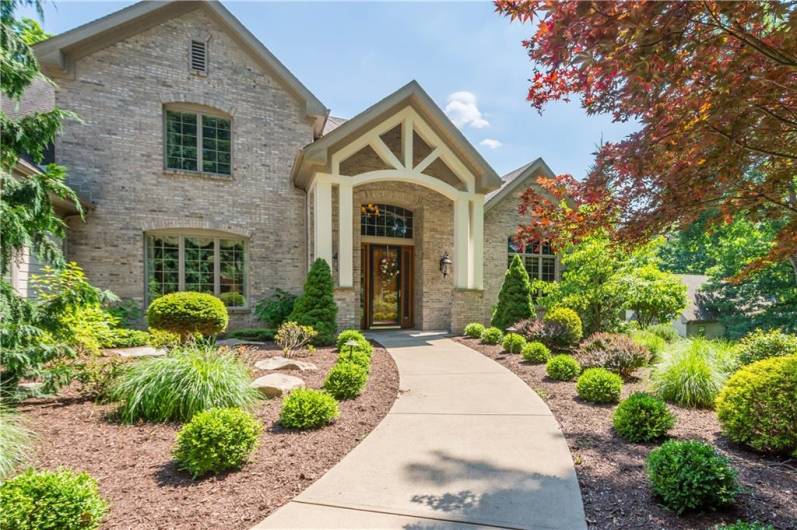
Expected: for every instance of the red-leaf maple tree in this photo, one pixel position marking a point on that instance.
(713, 86)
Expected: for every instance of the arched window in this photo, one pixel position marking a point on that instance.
(385, 220)
(538, 258)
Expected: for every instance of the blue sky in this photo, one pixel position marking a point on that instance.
(468, 58)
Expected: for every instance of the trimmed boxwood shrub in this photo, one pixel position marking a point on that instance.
(187, 313)
(232, 299)
(564, 327)
(688, 475)
(758, 405)
(492, 336)
(178, 385)
(762, 344)
(642, 418)
(535, 352)
(514, 298)
(216, 440)
(616, 352)
(513, 343)
(51, 500)
(599, 385)
(316, 306)
(306, 408)
(474, 330)
(562, 368)
(357, 357)
(345, 380)
(352, 334)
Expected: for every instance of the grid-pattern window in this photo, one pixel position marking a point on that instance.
(197, 263)
(181, 141)
(539, 259)
(164, 265)
(192, 147)
(385, 220)
(215, 145)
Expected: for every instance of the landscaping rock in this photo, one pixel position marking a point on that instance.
(140, 351)
(275, 385)
(283, 363)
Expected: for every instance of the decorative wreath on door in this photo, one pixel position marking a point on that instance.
(389, 267)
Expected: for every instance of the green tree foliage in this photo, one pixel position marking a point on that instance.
(764, 298)
(653, 295)
(514, 299)
(316, 306)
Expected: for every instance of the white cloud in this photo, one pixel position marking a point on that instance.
(463, 110)
(491, 143)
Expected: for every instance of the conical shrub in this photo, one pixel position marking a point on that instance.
(316, 306)
(514, 300)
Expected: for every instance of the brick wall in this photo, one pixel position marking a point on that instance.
(115, 158)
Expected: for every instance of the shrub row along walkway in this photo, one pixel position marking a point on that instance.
(466, 443)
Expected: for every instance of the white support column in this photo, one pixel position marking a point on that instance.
(322, 217)
(345, 235)
(477, 241)
(461, 240)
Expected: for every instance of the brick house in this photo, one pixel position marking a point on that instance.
(210, 167)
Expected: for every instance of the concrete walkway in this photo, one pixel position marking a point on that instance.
(467, 444)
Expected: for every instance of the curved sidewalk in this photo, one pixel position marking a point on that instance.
(467, 444)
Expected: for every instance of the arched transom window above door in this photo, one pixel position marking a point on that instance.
(385, 220)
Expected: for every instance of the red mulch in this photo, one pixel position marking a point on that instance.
(136, 475)
(611, 471)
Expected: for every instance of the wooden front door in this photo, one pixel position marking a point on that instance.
(387, 286)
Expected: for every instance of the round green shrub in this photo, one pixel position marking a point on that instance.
(599, 385)
(232, 299)
(642, 418)
(357, 357)
(51, 500)
(762, 344)
(535, 352)
(616, 352)
(491, 336)
(688, 475)
(346, 380)
(353, 334)
(306, 408)
(513, 343)
(216, 440)
(568, 326)
(562, 368)
(177, 386)
(758, 405)
(186, 313)
(474, 330)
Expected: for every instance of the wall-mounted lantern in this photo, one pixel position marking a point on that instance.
(445, 263)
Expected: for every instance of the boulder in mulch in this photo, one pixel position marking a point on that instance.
(283, 363)
(276, 385)
(140, 351)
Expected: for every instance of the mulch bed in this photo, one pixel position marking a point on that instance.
(136, 475)
(611, 471)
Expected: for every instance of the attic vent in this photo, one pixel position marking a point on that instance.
(199, 56)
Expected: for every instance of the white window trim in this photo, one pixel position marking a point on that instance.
(199, 111)
(216, 262)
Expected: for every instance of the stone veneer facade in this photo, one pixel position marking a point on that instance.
(115, 159)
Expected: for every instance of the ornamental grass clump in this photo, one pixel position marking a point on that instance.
(186, 381)
(513, 343)
(598, 385)
(216, 440)
(642, 418)
(758, 406)
(474, 330)
(650, 341)
(691, 475)
(689, 376)
(535, 352)
(491, 336)
(306, 408)
(15, 441)
(51, 500)
(562, 368)
(346, 380)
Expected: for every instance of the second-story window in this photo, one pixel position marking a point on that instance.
(198, 142)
